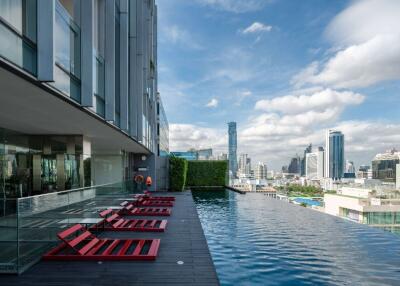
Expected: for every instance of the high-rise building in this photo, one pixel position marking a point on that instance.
(364, 172)
(315, 165)
(398, 177)
(294, 166)
(261, 171)
(232, 145)
(222, 157)
(384, 165)
(244, 164)
(334, 154)
(303, 160)
(79, 104)
(350, 167)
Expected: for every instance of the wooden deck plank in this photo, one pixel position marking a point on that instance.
(183, 240)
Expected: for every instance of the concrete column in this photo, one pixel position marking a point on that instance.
(133, 82)
(110, 61)
(45, 41)
(60, 172)
(37, 171)
(124, 57)
(86, 52)
(140, 66)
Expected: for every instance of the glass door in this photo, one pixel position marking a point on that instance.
(49, 173)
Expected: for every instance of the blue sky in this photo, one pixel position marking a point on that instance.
(284, 70)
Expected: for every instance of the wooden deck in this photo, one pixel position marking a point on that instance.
(183, 240)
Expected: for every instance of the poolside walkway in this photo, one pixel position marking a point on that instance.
(183, 240)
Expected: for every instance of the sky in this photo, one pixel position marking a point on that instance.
(285, 71)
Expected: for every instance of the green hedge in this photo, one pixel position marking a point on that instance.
(207, 173)
(177, 173)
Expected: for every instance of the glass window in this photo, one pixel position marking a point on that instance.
(11, 11)
(67, 54)
(18, 33)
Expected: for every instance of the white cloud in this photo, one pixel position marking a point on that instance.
(257, 27)
(236, 6)
(178, 36)
(367, 35)
(186, 136)
(321, 100)
(212, 103)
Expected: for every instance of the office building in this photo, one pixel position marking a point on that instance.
(205, 154)
(232, 146)
(363, 205)
(315, 165)
(193, 154)
(384, 165)
(350, 167)
(303, 160)
(244, 164)
(364, 172)
(79, 103)
(398, 177)
(261, 171)
(334, 155)
(222, 157)
(295, 165)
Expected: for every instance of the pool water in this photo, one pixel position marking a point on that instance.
(257, 240)
(309, 202)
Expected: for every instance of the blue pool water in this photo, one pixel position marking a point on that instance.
(309, 202)
(256, 240)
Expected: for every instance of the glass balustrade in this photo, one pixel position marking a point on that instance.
(29, 226)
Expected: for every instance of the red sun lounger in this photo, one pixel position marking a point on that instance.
(150, 197)
(149, 203)
(131, 210)
(81, 244)
(113, 222)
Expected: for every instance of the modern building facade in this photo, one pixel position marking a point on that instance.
(315, 165)
(295, 165)
(244, 165)
(364, 206)
(232, 146)
(384, 165)
(303, 160)
(261, 171)
(79, 103)
(334, 154)
(193, 154)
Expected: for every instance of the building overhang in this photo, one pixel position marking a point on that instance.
(31, 107)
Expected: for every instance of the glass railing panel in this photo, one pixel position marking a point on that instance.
(8, 236)
(40, 218)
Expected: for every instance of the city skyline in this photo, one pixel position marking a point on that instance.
(283, 82)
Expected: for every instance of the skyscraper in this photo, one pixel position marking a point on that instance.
(232, 156)
(261, 171)
(303, 160)
(334, 154)
(294, 166)
(315, 165)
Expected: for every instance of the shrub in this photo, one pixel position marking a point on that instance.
(207, 173)
(177, 173)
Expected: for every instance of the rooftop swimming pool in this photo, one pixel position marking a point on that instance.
(307, 201)
(257, 240)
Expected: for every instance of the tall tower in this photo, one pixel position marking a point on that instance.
(232, 153)
(334, 154)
